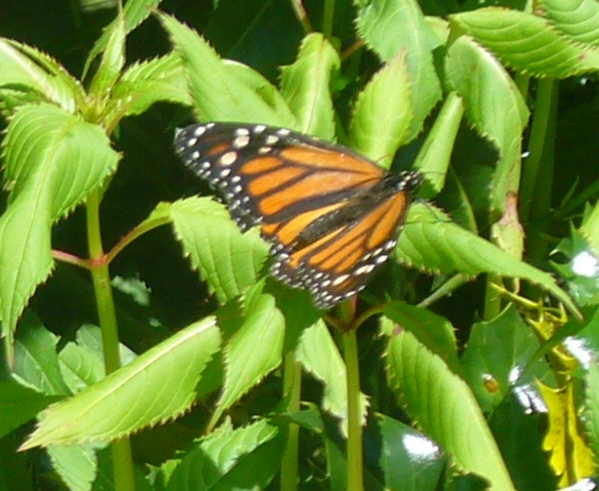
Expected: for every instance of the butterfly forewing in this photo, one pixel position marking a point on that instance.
(331, 216)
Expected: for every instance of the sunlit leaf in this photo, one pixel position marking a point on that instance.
(305, 85)
(220, 90)
(159, 385)
(497, 353)
(445, 408)
(578, 19)
(113, 59)
(134, 13)
(24, 66)
(383, 113)
(254, 351)
(430, 241)
(320, 357)
(527, 42)
(485, 86)
(146, 83)
(571, 458)
(412, 35)
(228, 260)
(246, 458)
(53, 160)
(592, 407)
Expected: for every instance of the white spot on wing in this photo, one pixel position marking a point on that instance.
(340, 279)
(367, 268)
(241, 141)
(228, 158)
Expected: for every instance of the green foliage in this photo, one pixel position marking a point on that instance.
(447, 409)
(121, 404)
(146, 346)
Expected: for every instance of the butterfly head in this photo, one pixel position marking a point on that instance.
(410, 180)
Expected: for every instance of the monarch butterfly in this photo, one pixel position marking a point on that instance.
(331, 216)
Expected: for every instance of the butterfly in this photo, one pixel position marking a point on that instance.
(330, 215)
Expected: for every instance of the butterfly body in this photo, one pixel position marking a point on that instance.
(331, 216)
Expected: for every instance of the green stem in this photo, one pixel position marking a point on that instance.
(145, 227)
(540, 204)
(492, 298)
(355, 473)
(327, 18)
(122, 462)
(301, 14)
(291, 391)
(538, 134)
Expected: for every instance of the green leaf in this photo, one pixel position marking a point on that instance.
(590, 227)
(435, 154)
(569, 456)
(429, 241)
(517, 430)
(134, 13)
(320, 357)
(53, 160)
(382, 113)
(580, 271)
(82, 362)
(157, 386)
(23, 66)
(254, 350)
(432, 330)
(113, 59)
(305, 85)
(246, 458)
(146, 83)
(413, 36)
(409, 461)
(221, 90)
(485, 86)
(496, 354)
(77, 465)
(527, 43)
(591, 408)
(445, 408)
(36, 362)
(228, 260)
(578, 19)
(19, 404)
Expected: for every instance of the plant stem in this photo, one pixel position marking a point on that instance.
(538, 134)
(355, 472)
(327, 18)
(122, 462)
(544, 159)
(291, 393)
(301, 14)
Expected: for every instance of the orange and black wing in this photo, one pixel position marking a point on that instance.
(331, 216)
